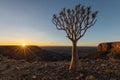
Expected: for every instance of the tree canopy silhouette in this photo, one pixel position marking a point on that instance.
(75, 22)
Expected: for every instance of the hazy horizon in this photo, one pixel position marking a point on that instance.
(46, 45)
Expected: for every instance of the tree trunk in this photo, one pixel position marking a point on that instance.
(74, 60)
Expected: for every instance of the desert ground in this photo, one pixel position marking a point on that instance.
(48, 63)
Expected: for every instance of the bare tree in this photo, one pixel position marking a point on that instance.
(75, 22)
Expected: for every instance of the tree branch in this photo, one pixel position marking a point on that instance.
(75, 22)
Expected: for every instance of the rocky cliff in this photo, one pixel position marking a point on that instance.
(110, 47)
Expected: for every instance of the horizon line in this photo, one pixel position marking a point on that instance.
(48, 45)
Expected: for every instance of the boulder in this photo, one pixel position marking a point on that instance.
(109, 47)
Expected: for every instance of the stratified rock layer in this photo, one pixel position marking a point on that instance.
(110, 47)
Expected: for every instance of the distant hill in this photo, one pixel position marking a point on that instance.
(31, 53)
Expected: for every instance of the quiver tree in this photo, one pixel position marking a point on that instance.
(75, 22)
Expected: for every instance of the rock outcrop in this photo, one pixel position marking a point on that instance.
(109, 47)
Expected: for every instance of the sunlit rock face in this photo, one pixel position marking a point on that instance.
(110, 47)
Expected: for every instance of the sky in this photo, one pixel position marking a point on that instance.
(29, 22)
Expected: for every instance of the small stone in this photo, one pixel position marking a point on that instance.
(103, 65)
(107, 71)
(18, 68)
(77, 78)
(34, 77)
(81, 74)
(90, 77)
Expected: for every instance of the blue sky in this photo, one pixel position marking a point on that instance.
(29, 21)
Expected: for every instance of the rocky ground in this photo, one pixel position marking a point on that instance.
(98, 69)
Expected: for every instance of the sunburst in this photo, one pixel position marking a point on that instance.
(24, 51)
(23, 44)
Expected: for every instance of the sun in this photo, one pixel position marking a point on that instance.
(23, 44)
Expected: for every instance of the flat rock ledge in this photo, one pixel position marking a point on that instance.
(109, 47)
